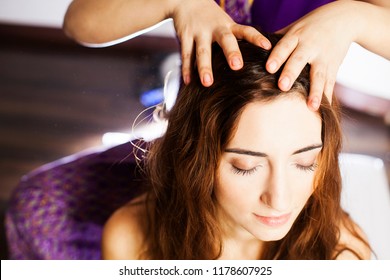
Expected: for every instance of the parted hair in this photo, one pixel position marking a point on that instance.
(181, 166)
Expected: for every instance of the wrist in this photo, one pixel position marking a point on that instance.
(171, 7)
(175, 7)
(363, 22)
(373, 28)
(353, 18)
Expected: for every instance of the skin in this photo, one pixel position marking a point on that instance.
(274, 181)
(262, 174)
(200, 23)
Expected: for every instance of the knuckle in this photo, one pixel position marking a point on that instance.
(256, 37)
(203, 69)
(235, 27)
(201, 51)
(186, 32)
(330, 82)
(233, 53)
(226, 38)
(299, 58)
(248, 30)
(285, 44)
(319, 75)
(225, 34)
(185, 67)
(185, 56)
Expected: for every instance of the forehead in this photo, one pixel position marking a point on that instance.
(285, 123)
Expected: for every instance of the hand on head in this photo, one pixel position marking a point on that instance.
(302, 43)
(321, 38)
(200, 23)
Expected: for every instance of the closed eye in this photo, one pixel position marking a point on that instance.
(311, 167)
(243, 172)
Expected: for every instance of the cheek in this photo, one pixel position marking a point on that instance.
(302, 188)
(226, 192)
(232, 191)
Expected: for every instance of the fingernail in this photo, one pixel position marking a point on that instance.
(284, 83)
(265, 44)
(206, 79)
(236, 62)
(186, 79)
(315, 103)
(272, 66)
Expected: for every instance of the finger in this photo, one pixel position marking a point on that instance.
(229, 45)
(293, 67)
(283, 30)
(329, 86)
(203, 61)
(281, 52)
(251, 35)
(317, 85)
(187, 49)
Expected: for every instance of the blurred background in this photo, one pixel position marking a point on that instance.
(58, 98)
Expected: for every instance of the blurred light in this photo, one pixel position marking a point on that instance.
(152, 97)
(146, 132)
(115, 138)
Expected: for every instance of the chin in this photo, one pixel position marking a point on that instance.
(272, 234)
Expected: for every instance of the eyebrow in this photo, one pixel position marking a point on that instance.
(260, 154)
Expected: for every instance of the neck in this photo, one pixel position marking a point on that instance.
(241, 250)
(237, 242)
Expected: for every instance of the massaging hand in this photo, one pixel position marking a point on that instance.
(321, 38)
(200, 23)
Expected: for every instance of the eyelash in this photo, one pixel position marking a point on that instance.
(245, 172)
(311, 167)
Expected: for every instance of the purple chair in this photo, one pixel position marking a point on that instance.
(58, 211)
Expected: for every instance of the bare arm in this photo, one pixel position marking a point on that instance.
(99, 21)
(198, 24)
(376, 34)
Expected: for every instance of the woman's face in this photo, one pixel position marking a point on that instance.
(265, 176)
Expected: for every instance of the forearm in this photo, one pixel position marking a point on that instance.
(374, 27)
(99, 21)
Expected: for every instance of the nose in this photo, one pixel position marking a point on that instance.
(276, 194)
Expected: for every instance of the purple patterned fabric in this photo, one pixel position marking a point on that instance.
(58, 211)
(239, 10)
(269, 15)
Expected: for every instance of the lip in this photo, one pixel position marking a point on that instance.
(273, 221)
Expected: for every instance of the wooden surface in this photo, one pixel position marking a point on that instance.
(57, 98)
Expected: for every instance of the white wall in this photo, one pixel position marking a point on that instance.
(50, 13)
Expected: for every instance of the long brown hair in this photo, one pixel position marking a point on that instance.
(181, 166)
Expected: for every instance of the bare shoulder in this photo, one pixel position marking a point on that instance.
(124, 232)
(354, 244)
